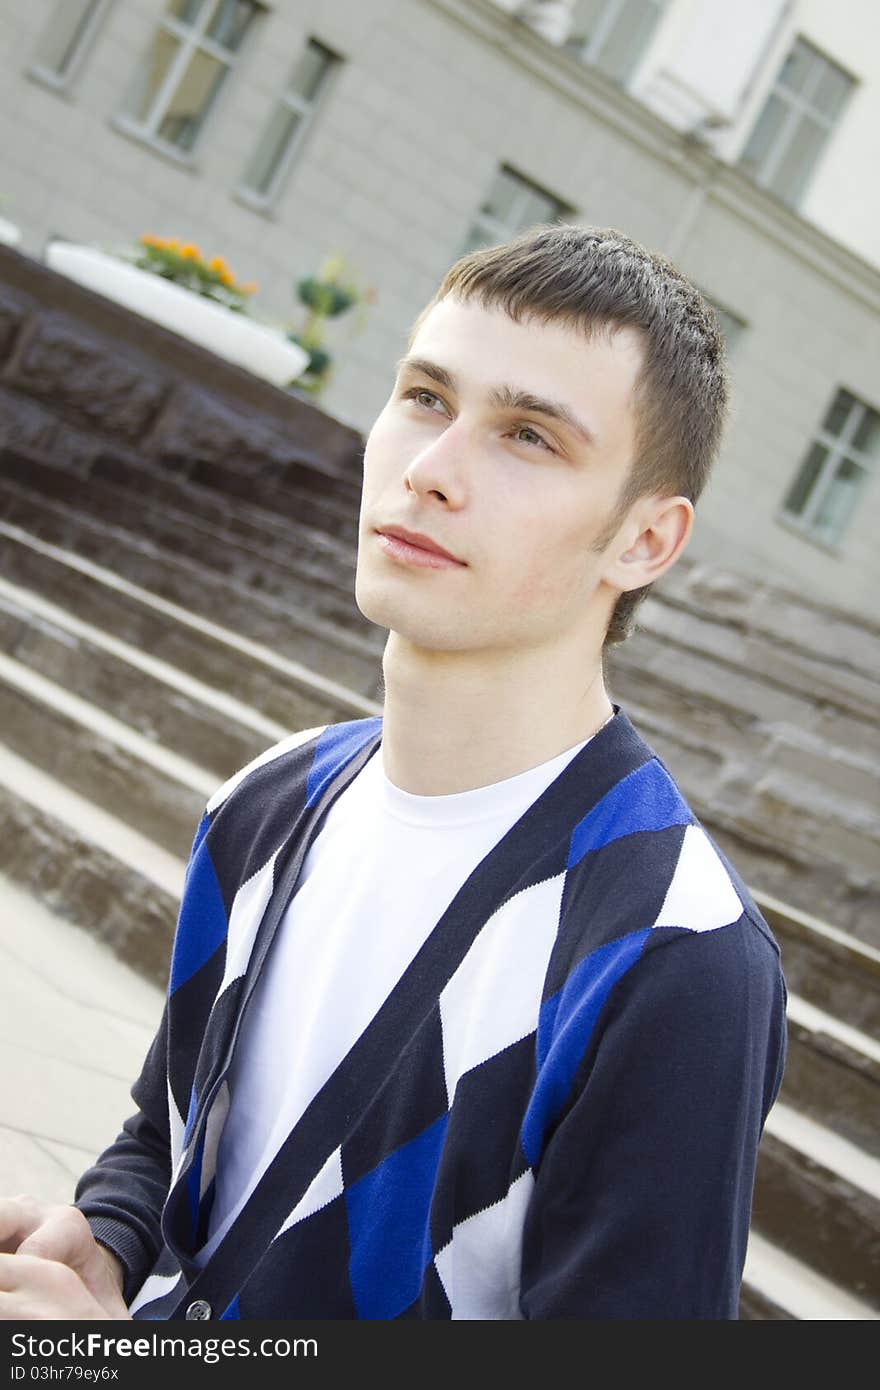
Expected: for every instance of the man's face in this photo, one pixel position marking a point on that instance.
(507, 446)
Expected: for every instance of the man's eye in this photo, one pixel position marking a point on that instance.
(535, 439)
(418, 393)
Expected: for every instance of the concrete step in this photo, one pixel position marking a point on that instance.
(346, 661)
(242, 517)
(832, 1075)
(211, 577)
(149, 696)
(108, 610)
(828, 968)
(844, 641)
(778, 1287)
(755, 653)
(158, 793)
(817, 1197)
(331, 505)
(89, 866)
(303, 567)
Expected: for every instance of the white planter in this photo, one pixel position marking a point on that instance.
(10, 235)
(258, 347)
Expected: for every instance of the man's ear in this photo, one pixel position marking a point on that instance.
(654, 536)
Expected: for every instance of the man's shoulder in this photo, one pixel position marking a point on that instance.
(643, 853)
(303, 761)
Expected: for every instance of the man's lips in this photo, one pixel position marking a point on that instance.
(415, 548)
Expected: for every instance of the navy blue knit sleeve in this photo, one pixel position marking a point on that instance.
(642, 1200)
(122, 1194)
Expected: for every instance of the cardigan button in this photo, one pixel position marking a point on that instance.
(198, 1311)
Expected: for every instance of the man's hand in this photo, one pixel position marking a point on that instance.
(51, 1266)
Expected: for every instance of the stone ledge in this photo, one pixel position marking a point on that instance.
(258, 675)
(814, 1214)
(142, 795)
(283, 421)
(85, 884)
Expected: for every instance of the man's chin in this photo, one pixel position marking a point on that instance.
(370, 605)
(428, 629)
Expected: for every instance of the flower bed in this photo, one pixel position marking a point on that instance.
(258, 347)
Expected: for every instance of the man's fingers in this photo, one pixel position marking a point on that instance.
(31, 1287)
(19, 1271)
(19, 1216)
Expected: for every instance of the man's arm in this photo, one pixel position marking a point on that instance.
(122, 1194)
(643, 1193)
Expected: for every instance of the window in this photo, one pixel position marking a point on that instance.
(190, 57)
(836, 468)
(67, 39)
(798, 117)
(288, 122)
(612, 35)
(513, 205)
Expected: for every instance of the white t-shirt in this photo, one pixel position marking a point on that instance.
(379, 875)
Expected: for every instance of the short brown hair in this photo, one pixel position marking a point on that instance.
(596, 278)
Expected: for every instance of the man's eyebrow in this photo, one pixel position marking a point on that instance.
(506, 397)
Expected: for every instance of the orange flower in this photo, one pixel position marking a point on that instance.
(190, 252)
(170, 244)
(149, 240)
(221, 270)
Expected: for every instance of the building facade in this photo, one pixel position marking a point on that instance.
(399, 133)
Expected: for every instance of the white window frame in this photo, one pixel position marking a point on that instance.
(799, 111)
(591, 51)
(305, 108)
(497, 231)
(840, 449)
(94, 13)
(192, 37)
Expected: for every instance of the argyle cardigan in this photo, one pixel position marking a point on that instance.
(555, 1113)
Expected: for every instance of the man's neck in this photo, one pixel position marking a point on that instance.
(455, 720)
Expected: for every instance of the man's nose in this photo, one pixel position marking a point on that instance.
(438, 469)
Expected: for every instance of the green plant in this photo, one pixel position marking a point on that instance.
(184, 264)
(325, 296)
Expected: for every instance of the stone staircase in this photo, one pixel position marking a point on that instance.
(177, 547)
(157, 630)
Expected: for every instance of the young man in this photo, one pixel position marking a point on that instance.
(468, 1017)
